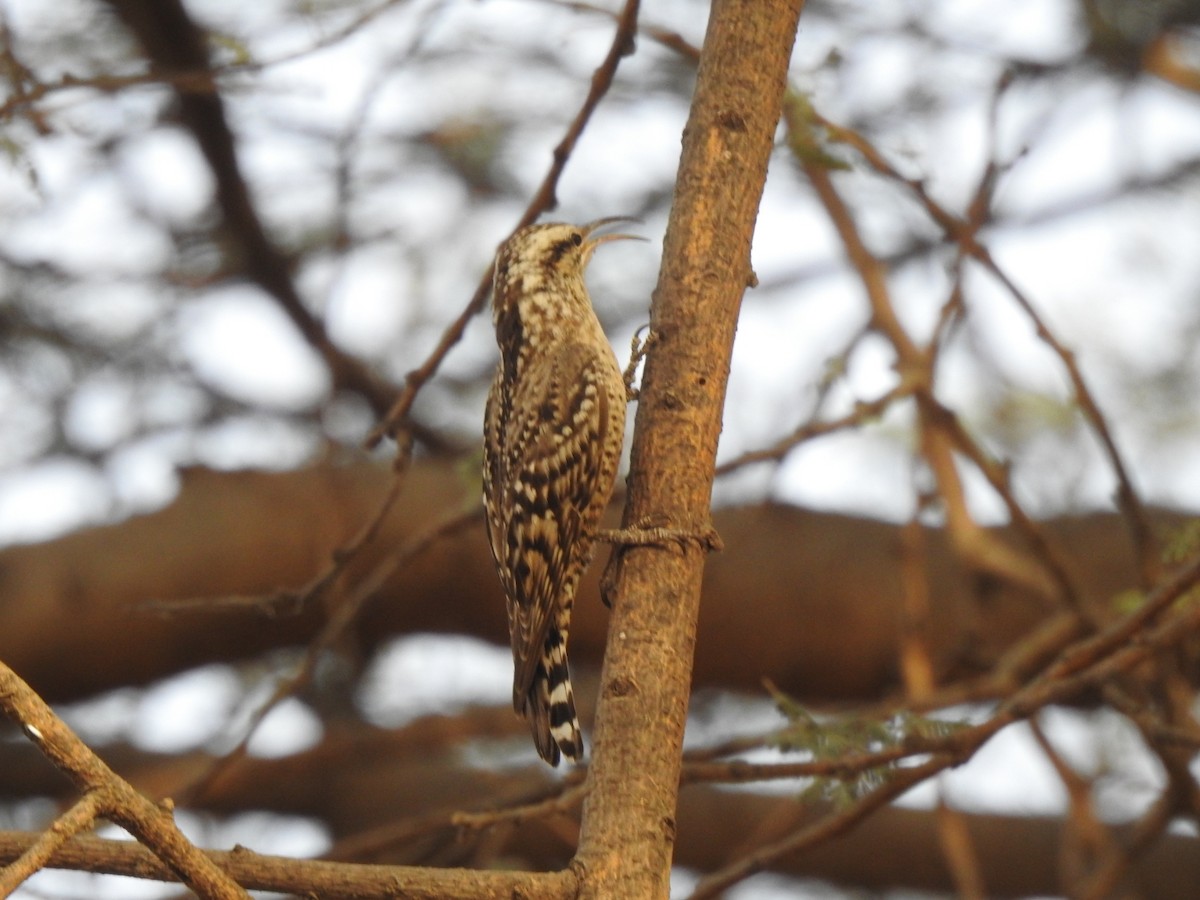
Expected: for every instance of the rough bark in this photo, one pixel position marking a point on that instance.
(628, 833)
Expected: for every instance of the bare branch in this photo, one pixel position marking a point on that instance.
(1105, 657)
(115, 798)
(305, 877)
(964, 234)
(174, 43)
(545, 198)
(79, 818)
(628, 831)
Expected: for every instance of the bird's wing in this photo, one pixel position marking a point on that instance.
(548, 480)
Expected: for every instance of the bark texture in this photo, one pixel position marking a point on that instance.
(628, 832)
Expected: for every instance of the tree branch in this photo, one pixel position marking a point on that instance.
(546, 197)
(174, 44)
(105, 794)
(628, 831)
(307, 877)
(139, 584)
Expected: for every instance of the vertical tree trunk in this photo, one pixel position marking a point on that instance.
(629, 819)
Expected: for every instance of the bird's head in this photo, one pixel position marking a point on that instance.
(554, 251)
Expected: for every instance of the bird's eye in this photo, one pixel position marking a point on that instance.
(576, 238)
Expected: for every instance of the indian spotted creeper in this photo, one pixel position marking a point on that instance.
(553, 433)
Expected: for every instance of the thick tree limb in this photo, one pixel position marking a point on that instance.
(826, 587)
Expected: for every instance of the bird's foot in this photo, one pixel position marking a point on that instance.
(648, 534)
(637, 352)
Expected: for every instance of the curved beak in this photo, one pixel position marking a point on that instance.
(594, 240)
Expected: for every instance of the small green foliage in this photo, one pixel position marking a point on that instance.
(11, 149)
(835, 370)
(233, 51)
(1182, 543)
(1020, 414)
(841, 792)
(806, 137)
(848, 737)
(1128, 601)
(17, 155)
(912, 725)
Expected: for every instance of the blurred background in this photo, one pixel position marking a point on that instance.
(188, 375)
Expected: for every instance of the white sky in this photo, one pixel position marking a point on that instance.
(1077, 270)
(1084, 272)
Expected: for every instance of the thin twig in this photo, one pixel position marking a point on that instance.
(1138, 521)
(740, 771)
(543, 199)
(175, 44)
(1085, 837)
(964, 234)
(567, 798)
(294, 601)
(864, 411)
(313, 877)
(1107, 656)
(79, 818)
(714, 884)
(959, 851)
(937, 424)
(1105, 879)
(562, 797)
(340, 619)
(668, 38)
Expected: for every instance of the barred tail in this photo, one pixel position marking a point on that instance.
(550, 705)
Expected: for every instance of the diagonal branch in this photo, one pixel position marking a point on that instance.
(175, 44)
(965, 234)
(939, 429)
(546, 197)
(112, 797)
(1089, 663)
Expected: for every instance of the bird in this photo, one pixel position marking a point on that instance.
(554, 426)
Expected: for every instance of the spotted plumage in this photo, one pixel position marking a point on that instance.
(553, 432)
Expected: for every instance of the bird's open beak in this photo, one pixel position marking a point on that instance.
(594, 240)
